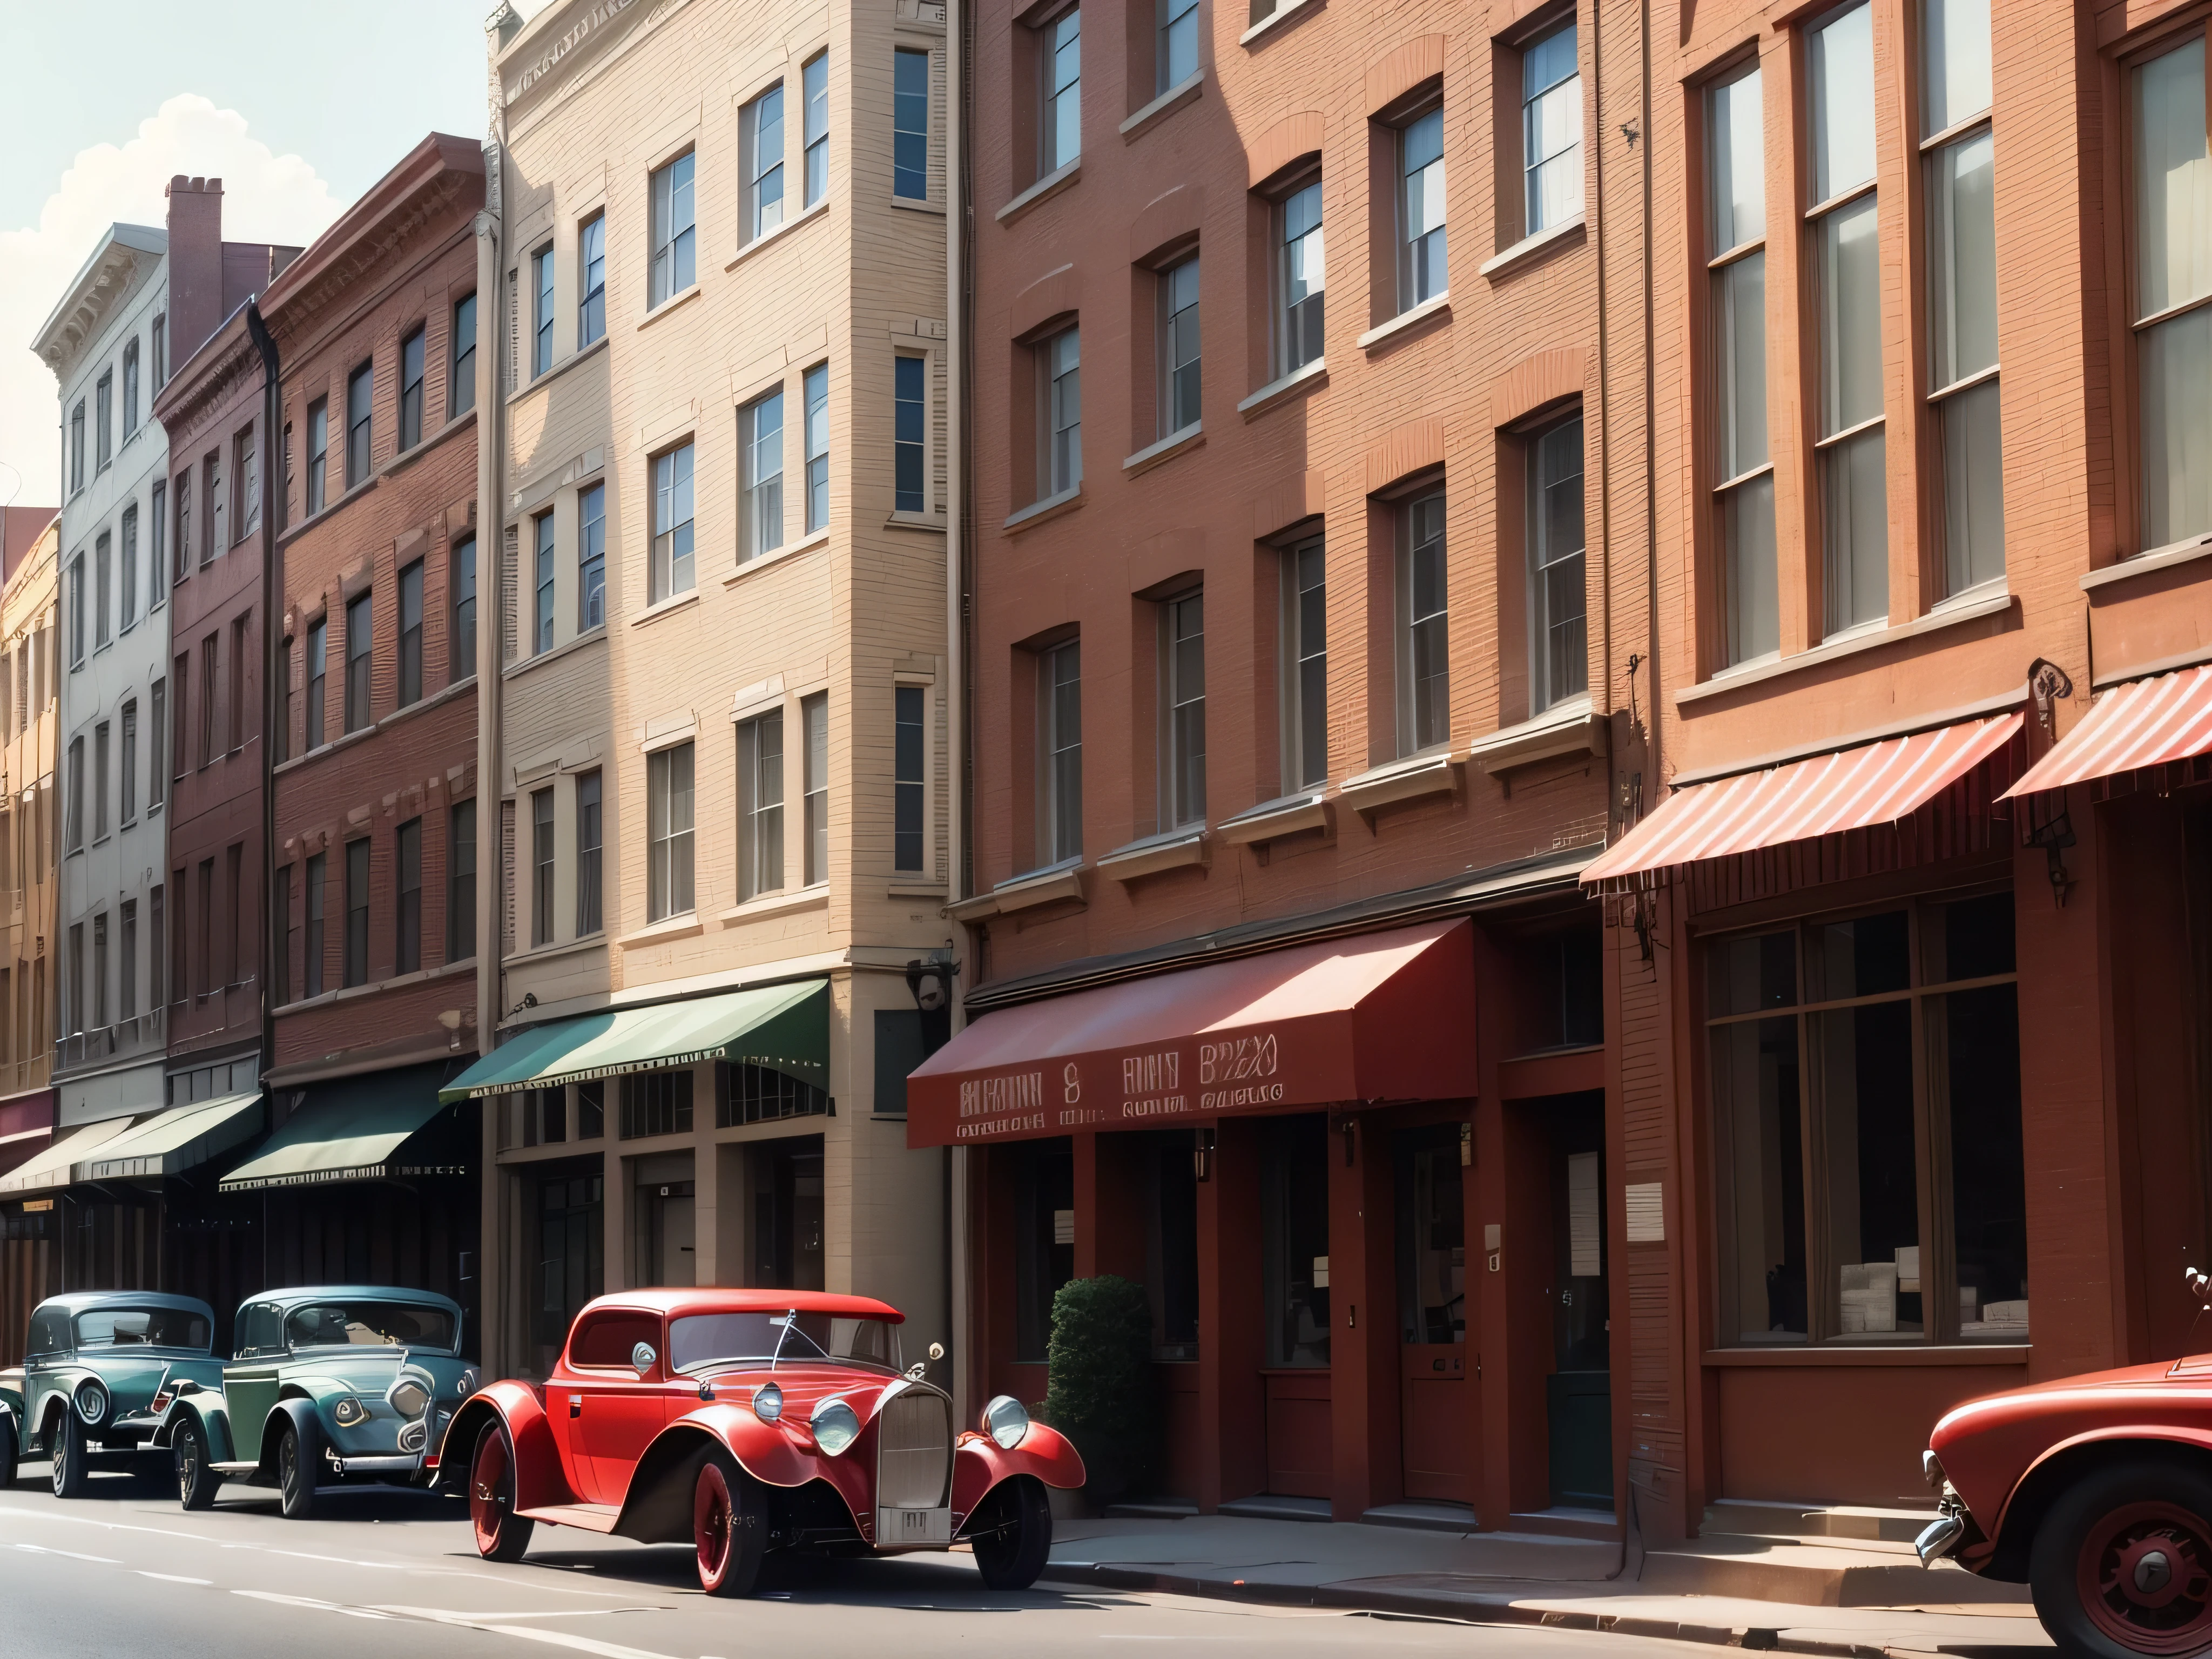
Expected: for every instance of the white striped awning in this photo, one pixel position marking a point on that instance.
(2143, 723)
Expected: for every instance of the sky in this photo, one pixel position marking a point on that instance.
(297, 108)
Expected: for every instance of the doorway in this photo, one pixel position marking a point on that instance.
(1579, 1393)
(570, 1235)
(664, 1244)
(1294, 1226)
(784, 1204)
(1436, 1431)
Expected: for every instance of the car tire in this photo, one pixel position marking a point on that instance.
(2122, 1563)
(502, 1534)
(1012, 1548)
(197, 1480)
(66, 1449)
(295, 1470)
(729, 1526)
(9, 1451)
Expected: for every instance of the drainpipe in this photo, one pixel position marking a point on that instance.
(272, 419)
(493, 1234)
(959, 1183)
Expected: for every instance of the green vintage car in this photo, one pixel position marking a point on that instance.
(100, 1368)
(331, 1384)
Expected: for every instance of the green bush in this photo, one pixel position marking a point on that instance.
(1101, 1394)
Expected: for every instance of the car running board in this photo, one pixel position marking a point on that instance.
(234, 1468)
(592, 1518)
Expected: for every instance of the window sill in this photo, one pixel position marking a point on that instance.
(1570, 728)
(930, 521)
(913, 206)
(1161, 107)
(1798, 1355)
(407, 457)
(669, 304)
(1529, 249)
(1151, 455)
(769, 561)
(320, 750)
(1406, 321)
(1051, 185)
(1307, 377)
(1965, 609)
(1174, 849)
(424, 705)
(589, 637)
(2144, 564)
(537, 953)
(1275, 20)
(1050, 507)
(540, 382)
(1026, 891)
(286, 538)
(686, 925)
(1413, 779)
(1271, 820)
(770, 237)
(782, 903)
(916, 888)
(653, 613)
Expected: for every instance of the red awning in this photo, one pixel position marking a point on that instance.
(1375, 1016)
(2144, 723)
(1854, 789)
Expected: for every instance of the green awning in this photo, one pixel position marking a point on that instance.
(348, 1130)
(172, 1141)
(784, 1028)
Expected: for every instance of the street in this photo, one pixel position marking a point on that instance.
(125, 1571)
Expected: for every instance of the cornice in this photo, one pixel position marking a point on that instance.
(107, 278)
(207, 380)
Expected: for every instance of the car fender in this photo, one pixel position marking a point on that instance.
(980, 1463)
(538, 1478)
(299, 1411)
(657, 1504)
(2030, 1483)
(208, 1409)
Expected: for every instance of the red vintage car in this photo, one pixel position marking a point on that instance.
(2095, 1492)
(745, 1422)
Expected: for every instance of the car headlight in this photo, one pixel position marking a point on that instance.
(1006, 1421)
(346, 1412)
(835, 1424)
(768, 1402)
(409, 1397)
(92, 1401)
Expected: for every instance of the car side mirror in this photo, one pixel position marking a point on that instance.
(642, 1357)
(936, 1350)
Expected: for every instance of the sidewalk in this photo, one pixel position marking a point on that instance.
(1516, 1578)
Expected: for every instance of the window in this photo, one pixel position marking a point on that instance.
(103, 587)
(1182, 688)
(1424, 653)
(410, 389)
(210, 745)
(129, 776)
(1847, 260)
(75, 1022)
(100, 971)
(1749, 600)
(318, 872)
(410, 634)
(214, 505)
(180, 747)
(359, 639)
(157, 508)
(1178, 339)
(1822, 1091)
(1962, 282)
(909, 777)
(461, 629)
(156, 950)
(157, 772)
(910, 124)
(184, 558)
(1060, 741)
(1178, 47)
(1559, 653)
(1060, 433)
(671, 571)
(760, 805)
(130, 569)
(1060, 133)
(541, 867)
(461, 881)
(591, 558)
(76, 447)
(908, 433)
(356, 913)
(103, 407)
(126, 979)
(461, 376)
(76, 611)
(763, 138)
(319, 655)
(318, 447)
(73, 817)
(1552, 130)
(591, 280)
(814, 723)
(101, 755)
(817, 446)
(360, 386)
(653, 1104)
(541, 333)
(130, 390)
(814, 86)
(2173, 279)
(541, 535)
(280, 899)
(408, 949)
(588, 919)
(674, 236)
(668, 832)
(1421, 270)
(1305, 665)
(760, 502)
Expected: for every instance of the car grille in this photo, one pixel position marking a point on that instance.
(913, 1450)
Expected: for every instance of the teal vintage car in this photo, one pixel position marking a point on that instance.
(329, 1384)
(101, 1369)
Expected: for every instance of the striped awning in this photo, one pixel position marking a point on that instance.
(1877, 783)
(2143, 723)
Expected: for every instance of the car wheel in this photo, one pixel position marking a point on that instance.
(1012, 1546)
(728, 1527)
(67, 1450)
(502, 1534)
(2121, 1564)
(296, 1472)
(9, 1453)
(196, 1481)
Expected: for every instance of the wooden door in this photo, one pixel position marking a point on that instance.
(1300, 1442)
(1436, 1406)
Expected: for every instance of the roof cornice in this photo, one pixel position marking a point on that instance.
(87, 303)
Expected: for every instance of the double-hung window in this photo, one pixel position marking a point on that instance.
(127, 775)
(675, 235)
(461, 881)
(318, 455)
(1059, 463)
(672, 570)
(1060, 746)
(312, 952)
(1177, 56)
(541, 535)
(102, 755)
(760, 482)
(103, 587)
(541, 867)
(1424, 635)
(461, 626)
(1182, 701)
(909, 442)
(461, 375)
(814, 725)
(360, 386)
(246, 483)
(410, 634)
(814, 88)
(816, 386)
(760, 804)
(910, 776)
(77, 600)
(1060, 133)
(1300, 278)
(130, 566)
(1847, 279)
(591, 280)
(359, 638)
(668, 775)
(130, 390)
(319, 658)
(355, 966)
(410, 389)
(591, 558)
(764, 134)
(2173, 322)
(1421, 270)
(1559, 652)
(1179, 367)
(76, 447)
(541, 331)
(587, 854)
(1551, 130)
(1960, 159)
(103, 405)
(72, 812)
(1748, 598)
(1305, 665)
(407, 941)
(910, 124)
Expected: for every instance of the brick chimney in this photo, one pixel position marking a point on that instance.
(195, 263)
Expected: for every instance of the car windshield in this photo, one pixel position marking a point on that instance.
(703, 1340)
(142, 1328)
(368, 1324)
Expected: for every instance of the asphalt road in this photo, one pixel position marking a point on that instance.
(126, 1572)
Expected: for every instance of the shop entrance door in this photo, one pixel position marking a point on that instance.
(785, 1204)
(1579, 1393)
(664, 1246)
(1294, 1222)
(1436, 1433)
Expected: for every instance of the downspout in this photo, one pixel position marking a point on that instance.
(272, 417)
(490, 1285)
(959, 1297)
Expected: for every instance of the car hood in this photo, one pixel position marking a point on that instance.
(804, 1387)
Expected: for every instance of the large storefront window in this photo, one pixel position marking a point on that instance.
(1045, 1239)
(1870, 1065)
(1294, 1219)
(1170, 1176)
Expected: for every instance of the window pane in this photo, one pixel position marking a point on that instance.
(908, 445)
(1178, 43)
(818, 448)
(761, 433)
(1973, 939)
(1856, 500)
(814, 718)
(1758, 1146)
(1957, 61)
(1976, 1066)
(814, 86)
(1839, 57)
(910, 126)
(2173, 181)
(1187, 710)
(1739, 338)
(1862, 957)
(1552, 130)
(1560, 666)
(1424, 208)
(1064, 740)
(1425, 658)
(1973, 489)
(909, 778)
(1871, 1162)
(542, 630)
(1179, 355)
(1294, 1228)
(2174, 360)
(1749, 973)
(1754, 596)
(591, 280)
(591, 558)
(1851, 317)
(1304, 275)
(1310, 683)
(1063, 423)
(1063, 71)
(1962, 261)
(673, 571)
(1735, 147)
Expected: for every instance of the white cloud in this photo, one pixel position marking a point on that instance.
(266, 198)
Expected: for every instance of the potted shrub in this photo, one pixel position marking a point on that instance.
(1101, 1394)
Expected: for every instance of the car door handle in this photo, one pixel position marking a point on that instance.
(575, 1405)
